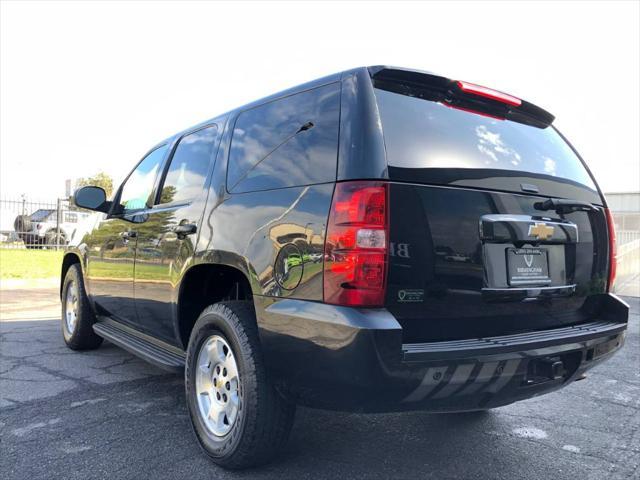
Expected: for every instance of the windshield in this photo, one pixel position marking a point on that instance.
(421, 134)
(40, 215)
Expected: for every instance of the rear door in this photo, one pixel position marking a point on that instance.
(167, 237)
(112, 245)
(475, 251)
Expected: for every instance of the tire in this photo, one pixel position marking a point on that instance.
(263, 419)
(22, 224)
(31, 241)
(78, 334)
(38, 244)
(51, 239)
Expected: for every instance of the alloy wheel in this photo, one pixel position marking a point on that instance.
(217, 386)
(71, 307)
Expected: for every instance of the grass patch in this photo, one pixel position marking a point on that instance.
(30, 264)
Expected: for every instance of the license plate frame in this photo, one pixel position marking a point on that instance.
(527, 267)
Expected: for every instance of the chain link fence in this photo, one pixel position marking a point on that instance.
(37, 225)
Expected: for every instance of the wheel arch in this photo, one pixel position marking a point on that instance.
(70, 258)
(204, 284)
(54, 230)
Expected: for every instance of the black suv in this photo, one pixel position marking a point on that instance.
(381, 239)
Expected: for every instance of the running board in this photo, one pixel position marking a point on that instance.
(150, 349)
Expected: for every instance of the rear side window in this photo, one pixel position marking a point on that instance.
(422, 134)
(189, 166)
(288, 142)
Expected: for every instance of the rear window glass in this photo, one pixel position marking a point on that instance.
(424, 134)
(288, 142)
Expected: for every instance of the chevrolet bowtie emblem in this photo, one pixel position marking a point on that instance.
(542, 231)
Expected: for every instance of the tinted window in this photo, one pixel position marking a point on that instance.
(139, 185)
(287, 142)
(40, 215)
(424, 134)
(189, 166)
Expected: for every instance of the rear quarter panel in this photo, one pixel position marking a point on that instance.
(249, 230)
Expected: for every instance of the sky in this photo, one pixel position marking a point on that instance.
(91, 86)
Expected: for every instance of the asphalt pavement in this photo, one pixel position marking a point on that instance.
(106, 414)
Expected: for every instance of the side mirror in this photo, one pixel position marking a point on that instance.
(92, 198)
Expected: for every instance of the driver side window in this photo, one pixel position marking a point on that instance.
(139, 186)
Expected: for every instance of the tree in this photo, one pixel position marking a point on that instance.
(100, 179)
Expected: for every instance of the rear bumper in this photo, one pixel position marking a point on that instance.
(545, 342)
(349, 359)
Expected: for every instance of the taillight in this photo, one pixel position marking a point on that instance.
(485, 92)
(356, 247)
(613, 250)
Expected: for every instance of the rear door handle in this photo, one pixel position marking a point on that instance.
(185, 229)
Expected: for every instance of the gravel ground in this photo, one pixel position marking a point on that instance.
(106, 414)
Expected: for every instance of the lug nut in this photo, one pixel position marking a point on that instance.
(218, 369)
(218, 395)
(224, 397)
(224, 372)
(227, 386)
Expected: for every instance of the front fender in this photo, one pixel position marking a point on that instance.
(73, 255)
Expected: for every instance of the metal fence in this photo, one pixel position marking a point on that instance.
(628, 271)
(37, 224)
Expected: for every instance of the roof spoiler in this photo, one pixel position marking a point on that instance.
(460, 95)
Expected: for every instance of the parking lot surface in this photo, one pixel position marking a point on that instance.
(106, 414)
